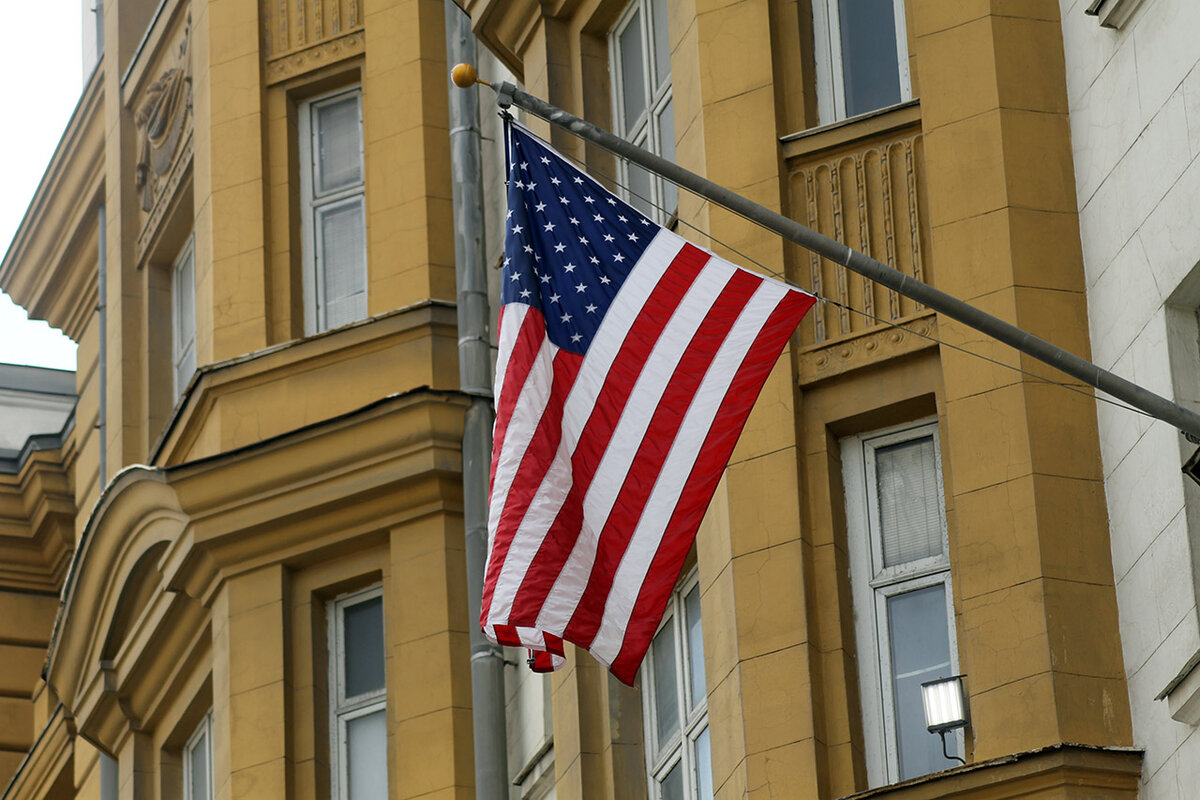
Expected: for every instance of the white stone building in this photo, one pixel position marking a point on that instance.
(34, 401)
(1133, 82)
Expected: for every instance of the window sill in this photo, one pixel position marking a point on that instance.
(1183, 693)
(824, 137)
(1052, 771)
(1112, 13)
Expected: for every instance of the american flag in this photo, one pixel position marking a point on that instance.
(629, 361)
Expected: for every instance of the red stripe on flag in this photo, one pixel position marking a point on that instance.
(539, 455)
(714, 455)
(596, 434)
(660, 436)
(524, 353)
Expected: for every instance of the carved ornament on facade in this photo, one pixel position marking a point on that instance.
(161, 122)
(321, 55)
(882, 343)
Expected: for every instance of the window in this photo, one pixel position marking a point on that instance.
(640, 54)
(861, 52)
(903, 607)
(674, 695)
(183, 316)
(197, 763)
(358, 697)
(333, 211)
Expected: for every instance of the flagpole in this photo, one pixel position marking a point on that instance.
(1159, 407)
(488, 720)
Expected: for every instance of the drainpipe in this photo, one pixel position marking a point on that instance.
(109, 786)
(102, 357)
(475, 380)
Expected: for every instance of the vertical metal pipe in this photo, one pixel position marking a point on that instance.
(475, 379)
(102, 348)
(109, 783)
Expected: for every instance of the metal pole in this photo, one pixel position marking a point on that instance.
(475, 379)
(1159, 407)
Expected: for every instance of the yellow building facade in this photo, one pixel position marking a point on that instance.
(245, 573)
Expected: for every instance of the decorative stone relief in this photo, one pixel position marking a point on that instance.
(866, 193)
(292, 25)
(851, 353)
(161, 120)
(289, 66)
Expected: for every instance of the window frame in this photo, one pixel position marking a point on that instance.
(180, 355)
(693, 722)
(646, 130)
(311, 205)
(827, 54)
(872, 587)
(204, 729)
(342, 709)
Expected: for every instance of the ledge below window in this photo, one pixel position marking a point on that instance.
(1058, 771)
(1183, 693)
(1112, 13)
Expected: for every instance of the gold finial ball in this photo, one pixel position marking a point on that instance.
(463, 75)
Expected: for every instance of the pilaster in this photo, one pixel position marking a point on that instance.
(1035, 607)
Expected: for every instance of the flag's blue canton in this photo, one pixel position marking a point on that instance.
(569, 243)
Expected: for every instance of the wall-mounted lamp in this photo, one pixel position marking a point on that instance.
(945, 708)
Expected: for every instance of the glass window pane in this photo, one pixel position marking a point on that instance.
(920, 649)
(639, 190)
(704, 784)
(343, 262)
(909, 501)
(338, 144)
(184, 368)
(666, 137)
(366, 757)
(183, 291)
(198, 768)
(671, 787)
(870, 65)
(662, 42)
(363, 642)
(666, 700)
(633, 71)
(695, 646)
(185, 295)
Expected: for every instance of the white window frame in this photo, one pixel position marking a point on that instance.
(311, 205)
(872, 585)
(183, 343)
(202, 737)
(343, 709)
(693, 722)
(645, 131)
(827, 52)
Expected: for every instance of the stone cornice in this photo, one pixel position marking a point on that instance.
(47, 759)
(505, 27)
(50, 266)
(161, 542)
(1052, 771)
(848, 353)
(37, 513)
(201, 403)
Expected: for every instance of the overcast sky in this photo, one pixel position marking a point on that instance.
(40, 59)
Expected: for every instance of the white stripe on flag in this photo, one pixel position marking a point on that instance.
(512, 316)
(526, 414)
(677, 468)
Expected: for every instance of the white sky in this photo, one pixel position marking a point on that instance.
(41, 65)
